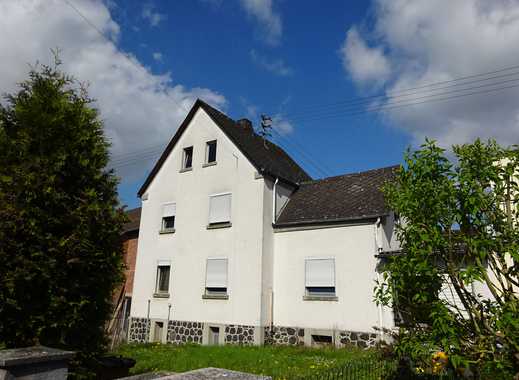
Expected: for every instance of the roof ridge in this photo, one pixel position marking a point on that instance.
(349, 174)
(205, 104)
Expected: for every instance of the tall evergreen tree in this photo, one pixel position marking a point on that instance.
(60, 219)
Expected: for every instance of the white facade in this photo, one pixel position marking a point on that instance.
(265, 277)
(353, 249)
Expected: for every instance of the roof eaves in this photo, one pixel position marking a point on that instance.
(353, 219)
(274, 176)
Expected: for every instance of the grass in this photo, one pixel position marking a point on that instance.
(278, 362)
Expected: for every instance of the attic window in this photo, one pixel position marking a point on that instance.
(210, 152)
(187, 159)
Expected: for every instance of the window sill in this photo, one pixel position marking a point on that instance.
(165, 232)
(160, 295)
(320, 298)
(207, 164)
(215, 296)
(183, 170)
(219, 225)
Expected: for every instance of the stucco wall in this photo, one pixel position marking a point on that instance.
(192, 243)
(353, 248)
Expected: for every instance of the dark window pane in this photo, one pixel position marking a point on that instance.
(188, 157)
(323, 339)
(321, 290)
(216, 290)
(211, 151)
(163, 280)
(168, 222)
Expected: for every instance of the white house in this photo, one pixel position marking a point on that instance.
(237, 244)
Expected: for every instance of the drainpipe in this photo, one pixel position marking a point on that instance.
(149, 323)
(167, 324)
(274, 201)
(378, 244)
(378, 241)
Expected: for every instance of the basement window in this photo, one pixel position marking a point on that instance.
(322, 340)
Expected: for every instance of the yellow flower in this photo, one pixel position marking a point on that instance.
(439, 361)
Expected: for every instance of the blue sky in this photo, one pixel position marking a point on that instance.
(214, 45)
(292, 60)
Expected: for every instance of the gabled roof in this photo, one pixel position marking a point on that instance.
(135, 219)
(349, 197)
(265, 156)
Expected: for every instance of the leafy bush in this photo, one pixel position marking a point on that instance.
(458, 226)
(60, 251)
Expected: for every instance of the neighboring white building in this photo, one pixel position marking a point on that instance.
(237, 244)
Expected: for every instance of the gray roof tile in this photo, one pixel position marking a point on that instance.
(341, 198)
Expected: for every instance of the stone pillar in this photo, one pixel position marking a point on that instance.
(34, 363)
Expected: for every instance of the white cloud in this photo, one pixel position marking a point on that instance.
(276, 66)
(139, 109)
(157, 56)
(282, 125)
(267, 17)
(364, 64)
(429, 41)
(149, 14)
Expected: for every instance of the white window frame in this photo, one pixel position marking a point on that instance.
(162, 263)
(184, 156)
(162, 221)
(207, 288)
(308, 292)
(219, 223)
(207, 145)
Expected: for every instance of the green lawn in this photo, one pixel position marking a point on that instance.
(278, 362)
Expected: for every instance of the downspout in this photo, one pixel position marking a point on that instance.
(271, 316)
(167, 324)
(379, 246)
(149, 323)
(274, 201)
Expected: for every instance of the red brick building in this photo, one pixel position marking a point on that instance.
(130, 236)
(123, 297)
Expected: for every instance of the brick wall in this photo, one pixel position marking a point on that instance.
(129, 257)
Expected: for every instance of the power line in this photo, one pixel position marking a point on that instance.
(432, 96)
(383, 108)
(323, 170)
(407, 92)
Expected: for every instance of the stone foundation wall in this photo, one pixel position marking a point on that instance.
(359, 339)
(238, 334)
(279, 335)
(181, 332)
(139, 330)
